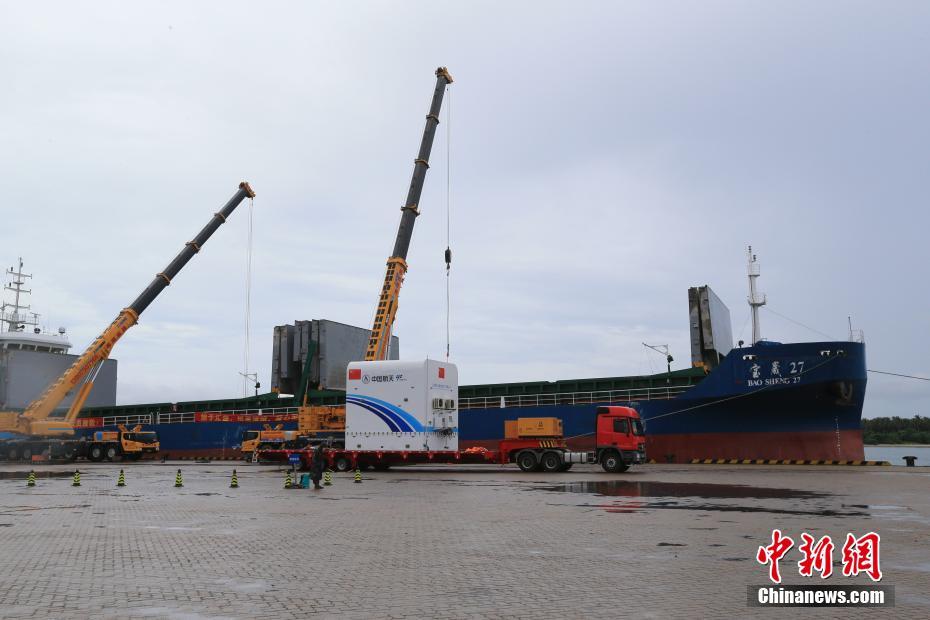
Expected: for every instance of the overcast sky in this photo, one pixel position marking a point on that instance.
(605, 157)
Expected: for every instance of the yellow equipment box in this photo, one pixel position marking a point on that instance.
(510, 429)
(538, 427)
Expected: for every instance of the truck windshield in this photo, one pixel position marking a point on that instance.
(250, 435)
(637, 427)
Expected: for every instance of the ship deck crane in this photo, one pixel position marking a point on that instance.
(663, 349)
(380, 341)
(37, 420)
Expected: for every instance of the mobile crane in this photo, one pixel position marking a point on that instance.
(380, 341)
(36, 430)
(313, 420)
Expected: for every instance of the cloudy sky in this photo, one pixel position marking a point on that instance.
(605, 157)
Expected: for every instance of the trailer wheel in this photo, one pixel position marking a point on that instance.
(612, 463)
(527, 461)
(342, 463)
(111, 452)
(551, 461)
(95, 453)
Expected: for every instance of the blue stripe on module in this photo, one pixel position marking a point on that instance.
(396, 425)
(384, 418)
(395, 412)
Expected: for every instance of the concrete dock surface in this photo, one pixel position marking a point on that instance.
(658, 541)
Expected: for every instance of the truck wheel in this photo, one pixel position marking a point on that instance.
(13, 454)
(612, 463)
(551, 461)
(27, 454)
(526, 461)
(343, 463)
(68, 453)
(95, 453)
(111, 452)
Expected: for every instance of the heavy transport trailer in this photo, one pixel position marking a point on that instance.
(132, 444)
(620, 444)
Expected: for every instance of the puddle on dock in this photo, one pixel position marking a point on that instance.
(635, 497)
(625, 488)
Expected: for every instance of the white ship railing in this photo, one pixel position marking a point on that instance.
(127, 420)
(571, 398)
(174, 418)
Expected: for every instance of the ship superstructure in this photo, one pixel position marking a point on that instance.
(31, 357)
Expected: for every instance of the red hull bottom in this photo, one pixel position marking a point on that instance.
(806, 446)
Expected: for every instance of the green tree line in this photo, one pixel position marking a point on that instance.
(896, 430)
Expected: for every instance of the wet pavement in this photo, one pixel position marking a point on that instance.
(654, 542)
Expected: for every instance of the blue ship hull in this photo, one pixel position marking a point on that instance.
(770, 401)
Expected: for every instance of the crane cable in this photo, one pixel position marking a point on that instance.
(448, 253)
(897, 374)
(248, 304)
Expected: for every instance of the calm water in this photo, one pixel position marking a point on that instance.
(893, 455)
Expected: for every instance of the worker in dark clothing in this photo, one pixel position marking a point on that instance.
(317, 466)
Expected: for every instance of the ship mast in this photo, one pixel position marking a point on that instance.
(756, 299)
(15, 320)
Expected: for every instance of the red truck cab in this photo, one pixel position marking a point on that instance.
(621, 441)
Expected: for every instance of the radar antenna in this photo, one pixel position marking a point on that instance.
(17, 320)
(756, 299)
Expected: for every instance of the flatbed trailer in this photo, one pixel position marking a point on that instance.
(620, 444)
(342, 460)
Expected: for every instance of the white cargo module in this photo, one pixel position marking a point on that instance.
(402, 406)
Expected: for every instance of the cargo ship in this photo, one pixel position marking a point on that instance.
(768, 400)
(765, 400)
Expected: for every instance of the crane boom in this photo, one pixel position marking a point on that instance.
(380, 340)
(36, 419)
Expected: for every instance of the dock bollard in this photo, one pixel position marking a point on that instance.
(288, 482)
(910, 461)
(358, 476)
(31, 480)
(327, 478)
(121, 481)
(76, 479)
(178, 481)
(234, 483)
